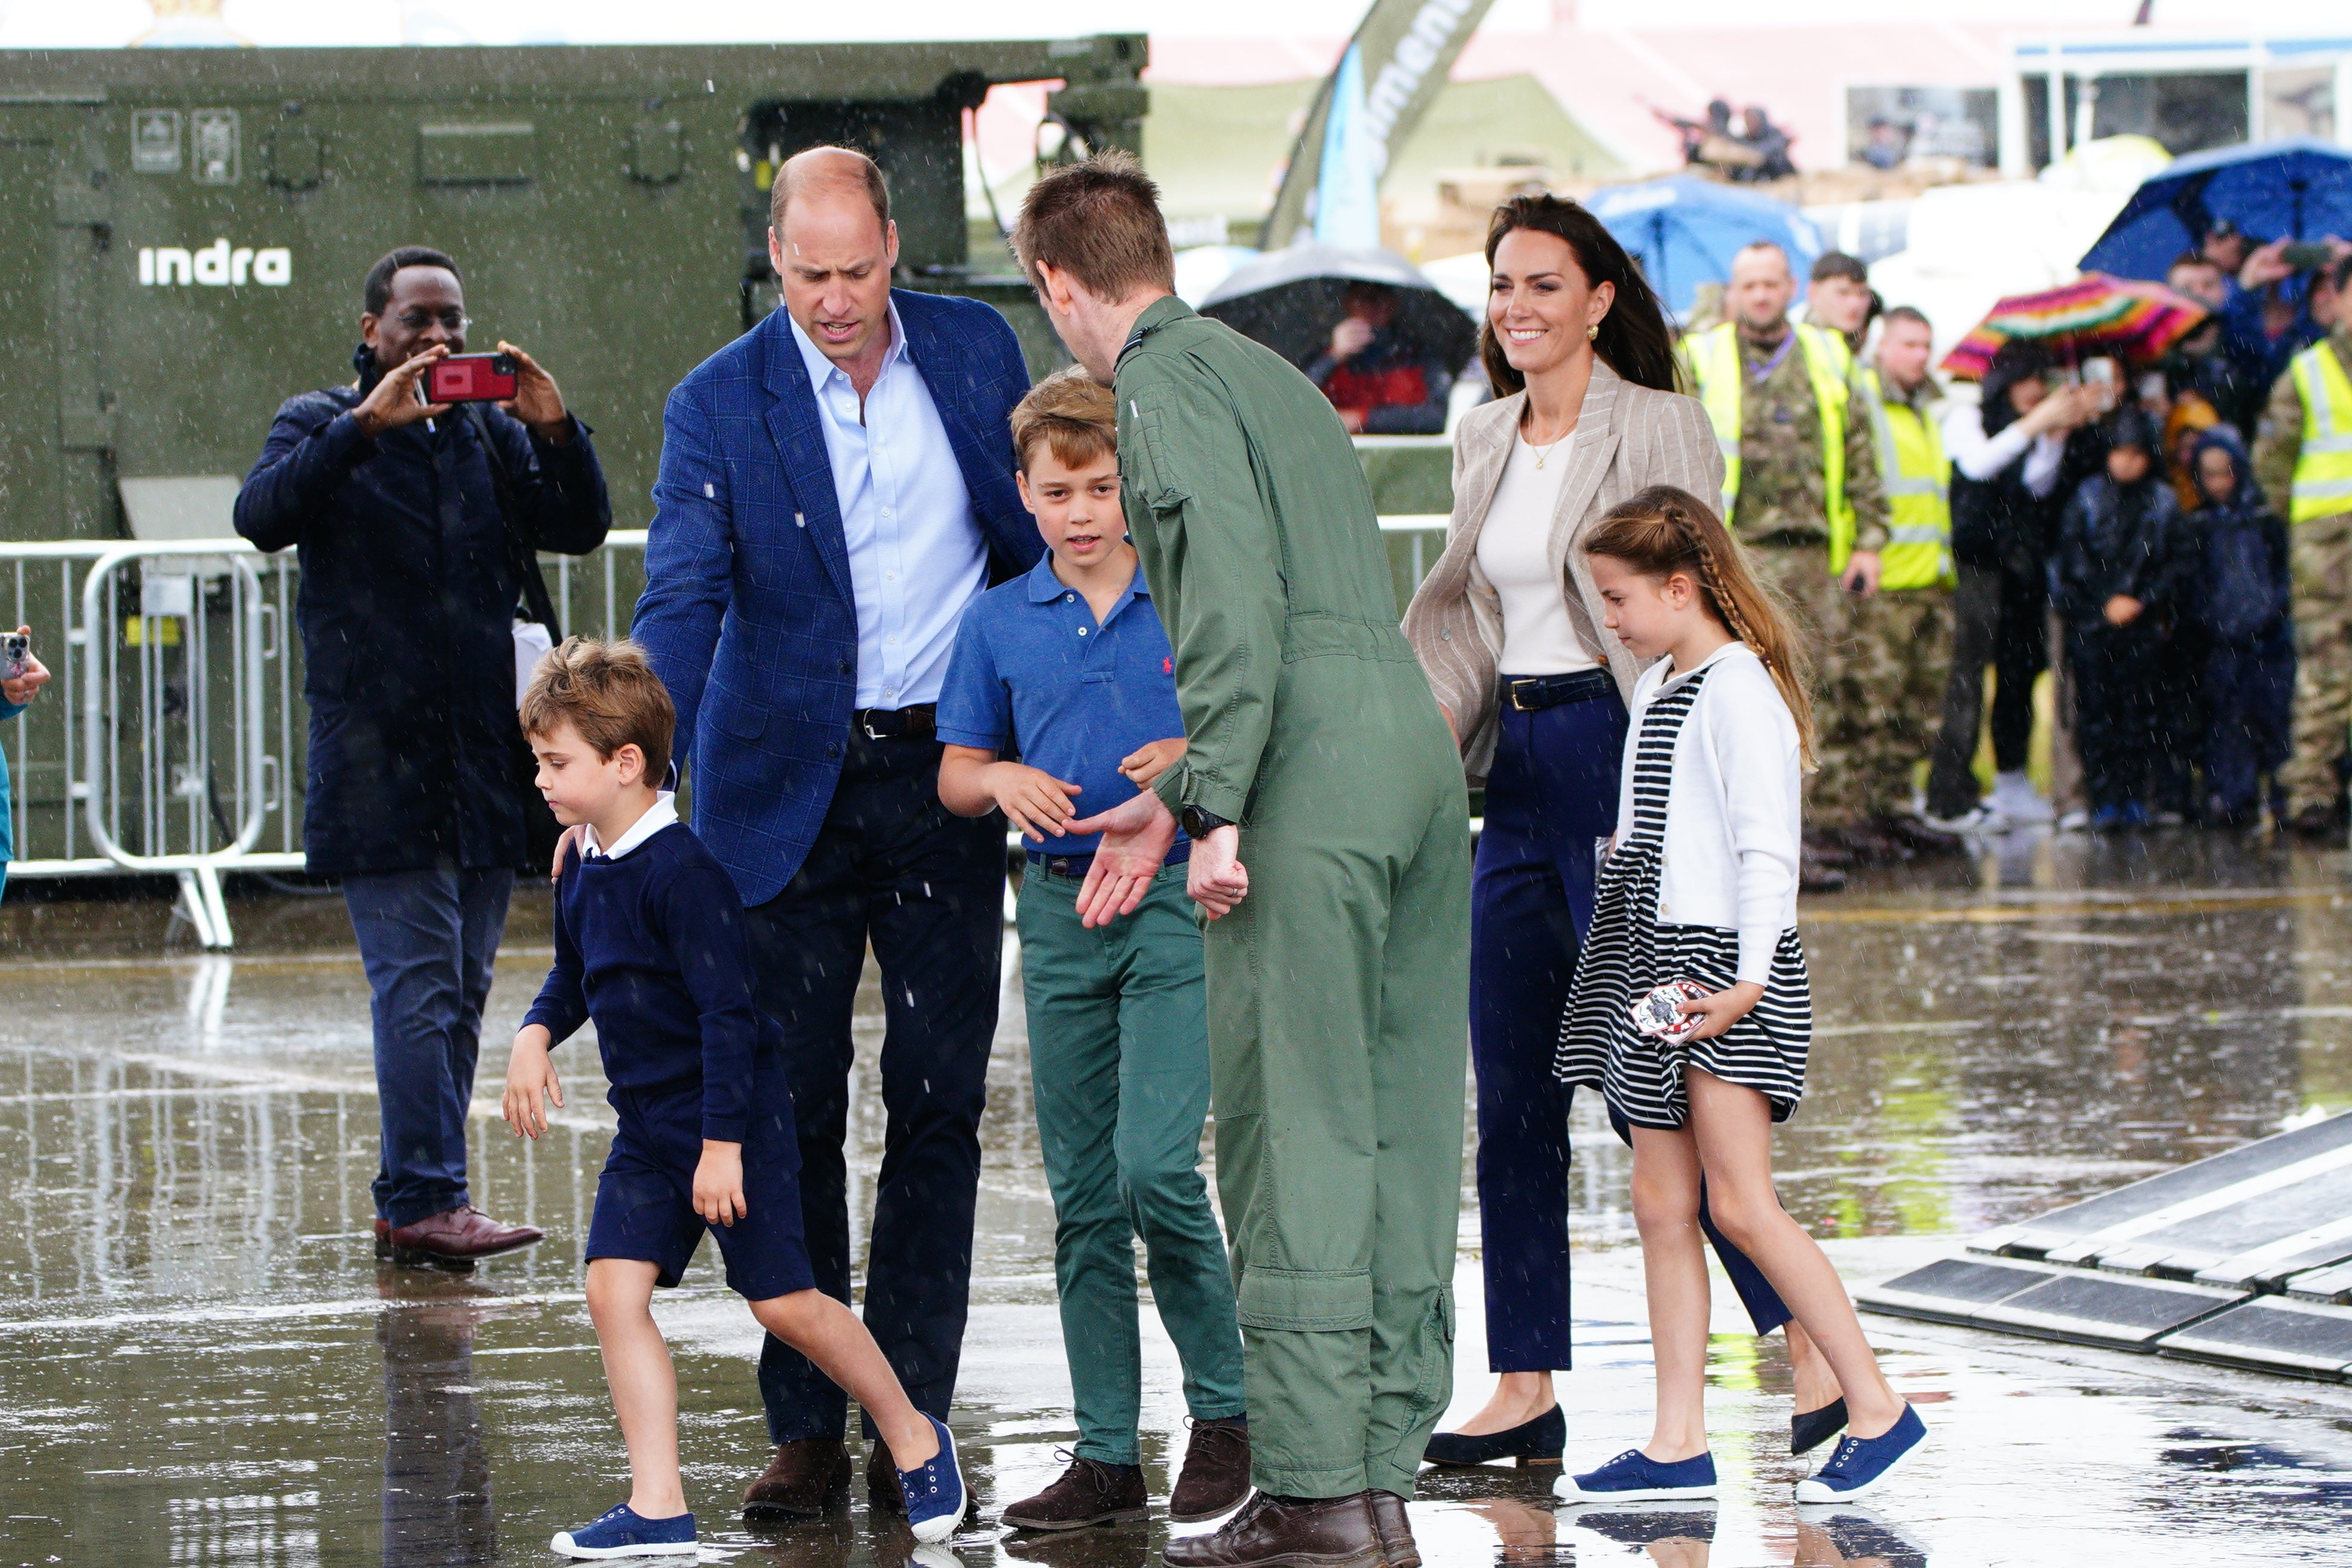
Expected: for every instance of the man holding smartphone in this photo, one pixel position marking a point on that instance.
(410, 577)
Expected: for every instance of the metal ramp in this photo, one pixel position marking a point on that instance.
(2243, 1259)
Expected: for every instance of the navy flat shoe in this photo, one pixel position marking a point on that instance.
(1809, 1429)
(1537, 1442)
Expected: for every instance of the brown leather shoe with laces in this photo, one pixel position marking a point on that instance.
(1088, 1492)
(1286, 1532)
(457, 1235)
(806, 1477)
(1394, 1528)
(1216, 1473)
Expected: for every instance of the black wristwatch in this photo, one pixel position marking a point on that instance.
(1199, 823)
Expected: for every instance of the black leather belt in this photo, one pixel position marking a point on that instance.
(1533, 693)
(1076, 867)
(919, 722)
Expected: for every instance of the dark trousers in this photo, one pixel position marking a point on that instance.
(2249, 706)
(2176, 747)
(1551, 793)
(893, 867)
(1997, 620)
(427, 941)
(2117, 691)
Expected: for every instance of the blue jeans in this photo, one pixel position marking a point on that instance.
(427, 940)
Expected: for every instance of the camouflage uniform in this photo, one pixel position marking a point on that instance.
(2322, 550)
(1782, 516)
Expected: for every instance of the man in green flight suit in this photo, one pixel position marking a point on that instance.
(1339, 959)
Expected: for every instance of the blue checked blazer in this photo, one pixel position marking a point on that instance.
(747, 613)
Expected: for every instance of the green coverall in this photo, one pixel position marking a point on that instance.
(1338, 989)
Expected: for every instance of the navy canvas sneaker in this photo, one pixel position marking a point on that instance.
(1633, 1477)
(934, 1490)
(1860, 1464)
(624, 1534)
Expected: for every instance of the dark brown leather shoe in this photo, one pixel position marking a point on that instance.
(382, 1240)
(457, 1236)
(807, 1476)
(1394, 1528)
(1286, 1532)
(1217, 1474)
(1088, 1492)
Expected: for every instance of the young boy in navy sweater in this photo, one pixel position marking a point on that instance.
(649, 943)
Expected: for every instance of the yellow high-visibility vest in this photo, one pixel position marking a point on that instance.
(2323, 469)
(1714, 360)
(1917, 480)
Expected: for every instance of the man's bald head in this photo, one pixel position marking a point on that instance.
(828, 172)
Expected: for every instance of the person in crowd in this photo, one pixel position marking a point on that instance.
(1802, 490)
(2186, 419)
(1838, 297)
(836, 486)
(2225, 245)
(1336, 1090)
(1911, 614)
(1510, 630)
(2244, 594)
(649, 943)
(1888, 144)
(2305, 453)
(2118, 573)
(1379, 384)
(2279, 306)
(1697, 900)
(2009, 456)
(16, 693)
(1695, 134)
(1769, 143)
(1070, 667)
(412, 567)
(2201, 365)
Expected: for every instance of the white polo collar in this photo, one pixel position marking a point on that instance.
(658, 815)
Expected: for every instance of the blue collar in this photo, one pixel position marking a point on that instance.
(1044, 588)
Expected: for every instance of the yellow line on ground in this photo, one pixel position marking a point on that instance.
(1815, 913)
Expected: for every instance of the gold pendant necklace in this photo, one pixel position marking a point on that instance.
(1544, 452)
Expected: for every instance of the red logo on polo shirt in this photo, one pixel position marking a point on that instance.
(1167, 665)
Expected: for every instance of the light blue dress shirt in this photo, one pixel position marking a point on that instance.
(916, 557)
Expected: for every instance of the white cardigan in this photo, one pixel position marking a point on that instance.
(1733, 806)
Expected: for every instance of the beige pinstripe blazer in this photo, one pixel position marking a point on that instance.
(1627, 439)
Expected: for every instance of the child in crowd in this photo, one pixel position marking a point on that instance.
(1700, 885)
(2244, 594)
(1070, 667)
(17, 687)
(2116, 579)
(649, 943)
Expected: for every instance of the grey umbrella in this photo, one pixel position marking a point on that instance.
(1288, 299)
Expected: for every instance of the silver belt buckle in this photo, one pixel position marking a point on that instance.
(867, 725)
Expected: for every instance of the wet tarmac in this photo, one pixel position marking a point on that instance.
(200, 1362)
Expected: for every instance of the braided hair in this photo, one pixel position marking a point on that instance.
(1663, 531)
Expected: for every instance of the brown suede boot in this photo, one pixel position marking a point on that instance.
(1216, 1473)
(1088, 1492)
(1286, 1532)
(806, 1477)
(1394, 1528)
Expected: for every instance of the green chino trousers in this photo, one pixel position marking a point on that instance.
(1119, 1066)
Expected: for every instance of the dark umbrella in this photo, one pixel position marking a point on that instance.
(2297, 189)
(1288, 299)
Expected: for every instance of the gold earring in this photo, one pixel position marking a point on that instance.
(1593, 332)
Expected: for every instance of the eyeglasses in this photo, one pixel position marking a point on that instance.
(454, 322)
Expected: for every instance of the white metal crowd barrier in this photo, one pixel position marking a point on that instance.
(170, 738)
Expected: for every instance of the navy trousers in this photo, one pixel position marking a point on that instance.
(427, 940)
(1552, 793)
(893, 868)
(2249, 707)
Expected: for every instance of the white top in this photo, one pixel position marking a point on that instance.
(1981, 457)
(916, 557)
(1733, 806)
(1515, 553)
(658, 815)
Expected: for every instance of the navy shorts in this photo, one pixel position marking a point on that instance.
(645, 1198)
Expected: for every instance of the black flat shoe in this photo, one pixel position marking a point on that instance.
(1809, 1429)
(1537, 1442)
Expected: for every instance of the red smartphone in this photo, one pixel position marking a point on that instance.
(470, 378)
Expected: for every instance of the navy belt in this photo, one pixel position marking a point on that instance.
(1533, 693)
(1075, 866)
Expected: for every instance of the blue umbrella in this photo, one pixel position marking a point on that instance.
(1686, 230)
(2295, 189)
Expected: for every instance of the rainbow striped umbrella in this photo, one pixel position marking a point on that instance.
(2093, 316)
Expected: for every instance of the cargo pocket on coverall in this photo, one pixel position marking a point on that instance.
(1301, 1301)
(1434, 1352)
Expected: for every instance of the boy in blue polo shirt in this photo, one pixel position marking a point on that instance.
(649, 943)
(1070, 667)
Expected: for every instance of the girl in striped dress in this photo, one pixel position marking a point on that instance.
(1700, 884)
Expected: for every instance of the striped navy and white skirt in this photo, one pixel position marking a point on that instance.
(1627, 952)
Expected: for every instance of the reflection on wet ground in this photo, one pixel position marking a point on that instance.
(200, 1362)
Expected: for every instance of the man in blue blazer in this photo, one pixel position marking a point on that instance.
(835, 486)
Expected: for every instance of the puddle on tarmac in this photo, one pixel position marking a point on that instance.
(200, 1362)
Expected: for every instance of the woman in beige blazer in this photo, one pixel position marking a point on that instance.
(1510, 629)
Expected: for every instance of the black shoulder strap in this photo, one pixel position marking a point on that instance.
(520, 551)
